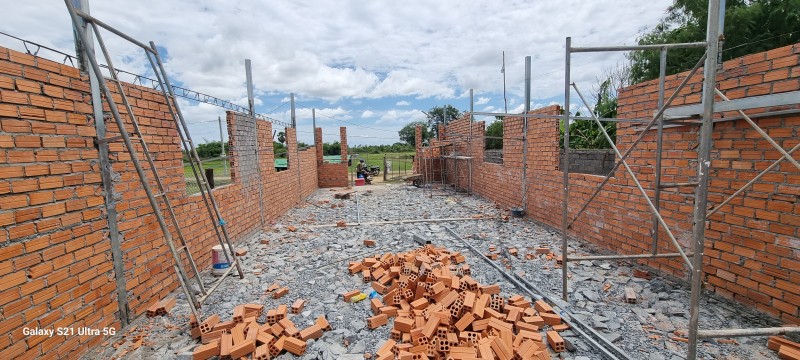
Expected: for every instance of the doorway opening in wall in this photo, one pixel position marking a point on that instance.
(281, 151)
(215, 162)
(493, 142)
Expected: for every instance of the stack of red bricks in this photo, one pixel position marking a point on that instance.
(785, 348)
(441, 312)
(243, 335)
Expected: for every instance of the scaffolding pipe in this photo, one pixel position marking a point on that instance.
(639, 139)
(525, 134)
(639, 186)
(250, 99)
(92, 19)
(662, 73)
(781, 330)
(565, 170)
(703, 168)
(639, 47)
(761, 132)
(751, 182)
(470, 142)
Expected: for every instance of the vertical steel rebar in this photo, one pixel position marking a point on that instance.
(662, 72)
(85, 50)
(250, 99)
(470, 143)
(525, 133)
(703, 168)
(565, 170)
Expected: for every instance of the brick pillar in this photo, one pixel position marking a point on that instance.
(440, 133)
(318, 144)
(343, 142)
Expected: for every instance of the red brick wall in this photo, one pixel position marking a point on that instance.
(331, 175)
(55, 268)
(752, 244)
(55, 258)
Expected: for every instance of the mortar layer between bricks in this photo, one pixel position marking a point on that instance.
(312, 263)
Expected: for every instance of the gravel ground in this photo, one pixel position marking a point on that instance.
(312, 263)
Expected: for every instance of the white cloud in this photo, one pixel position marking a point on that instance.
(367, 114)
(353, 51)
(401, 117)
(482, 100)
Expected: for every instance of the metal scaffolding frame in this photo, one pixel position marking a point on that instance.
(82, 24)
(700, 213)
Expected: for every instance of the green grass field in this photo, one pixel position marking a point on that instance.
(402, 162)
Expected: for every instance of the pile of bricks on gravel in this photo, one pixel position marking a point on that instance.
(441, 312)
(243, 335)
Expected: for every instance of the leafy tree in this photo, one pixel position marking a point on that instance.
(210, 149)
(334, 148)
(282, 137)
(495, 130)
(408, 133)
(751, 26)
(441, 115)
(279, 150)
(586, 134)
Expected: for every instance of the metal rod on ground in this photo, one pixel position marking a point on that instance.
(358, 210)
(389, 222)
(703, 168)
(622, 257)
(638, 185)
(782, 330)
(662, 73)
(565, 170)
(639, 139)
(216, 284)
(567, 317)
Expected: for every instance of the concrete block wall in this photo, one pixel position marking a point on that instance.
(752, 244)
(55, 252)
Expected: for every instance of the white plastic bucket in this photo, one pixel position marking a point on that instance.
(219, 264)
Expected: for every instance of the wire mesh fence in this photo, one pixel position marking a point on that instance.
(218, 171)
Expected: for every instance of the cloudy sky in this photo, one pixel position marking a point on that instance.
(372, 66)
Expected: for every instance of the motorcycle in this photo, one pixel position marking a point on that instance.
(373, 170)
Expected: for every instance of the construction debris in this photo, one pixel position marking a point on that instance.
(343, 196)
(785, 348)
(243, 335)
(161, 308)
(441, 312)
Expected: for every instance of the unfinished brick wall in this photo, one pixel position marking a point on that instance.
(55, 253)
(332, 175)
(752, 244)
